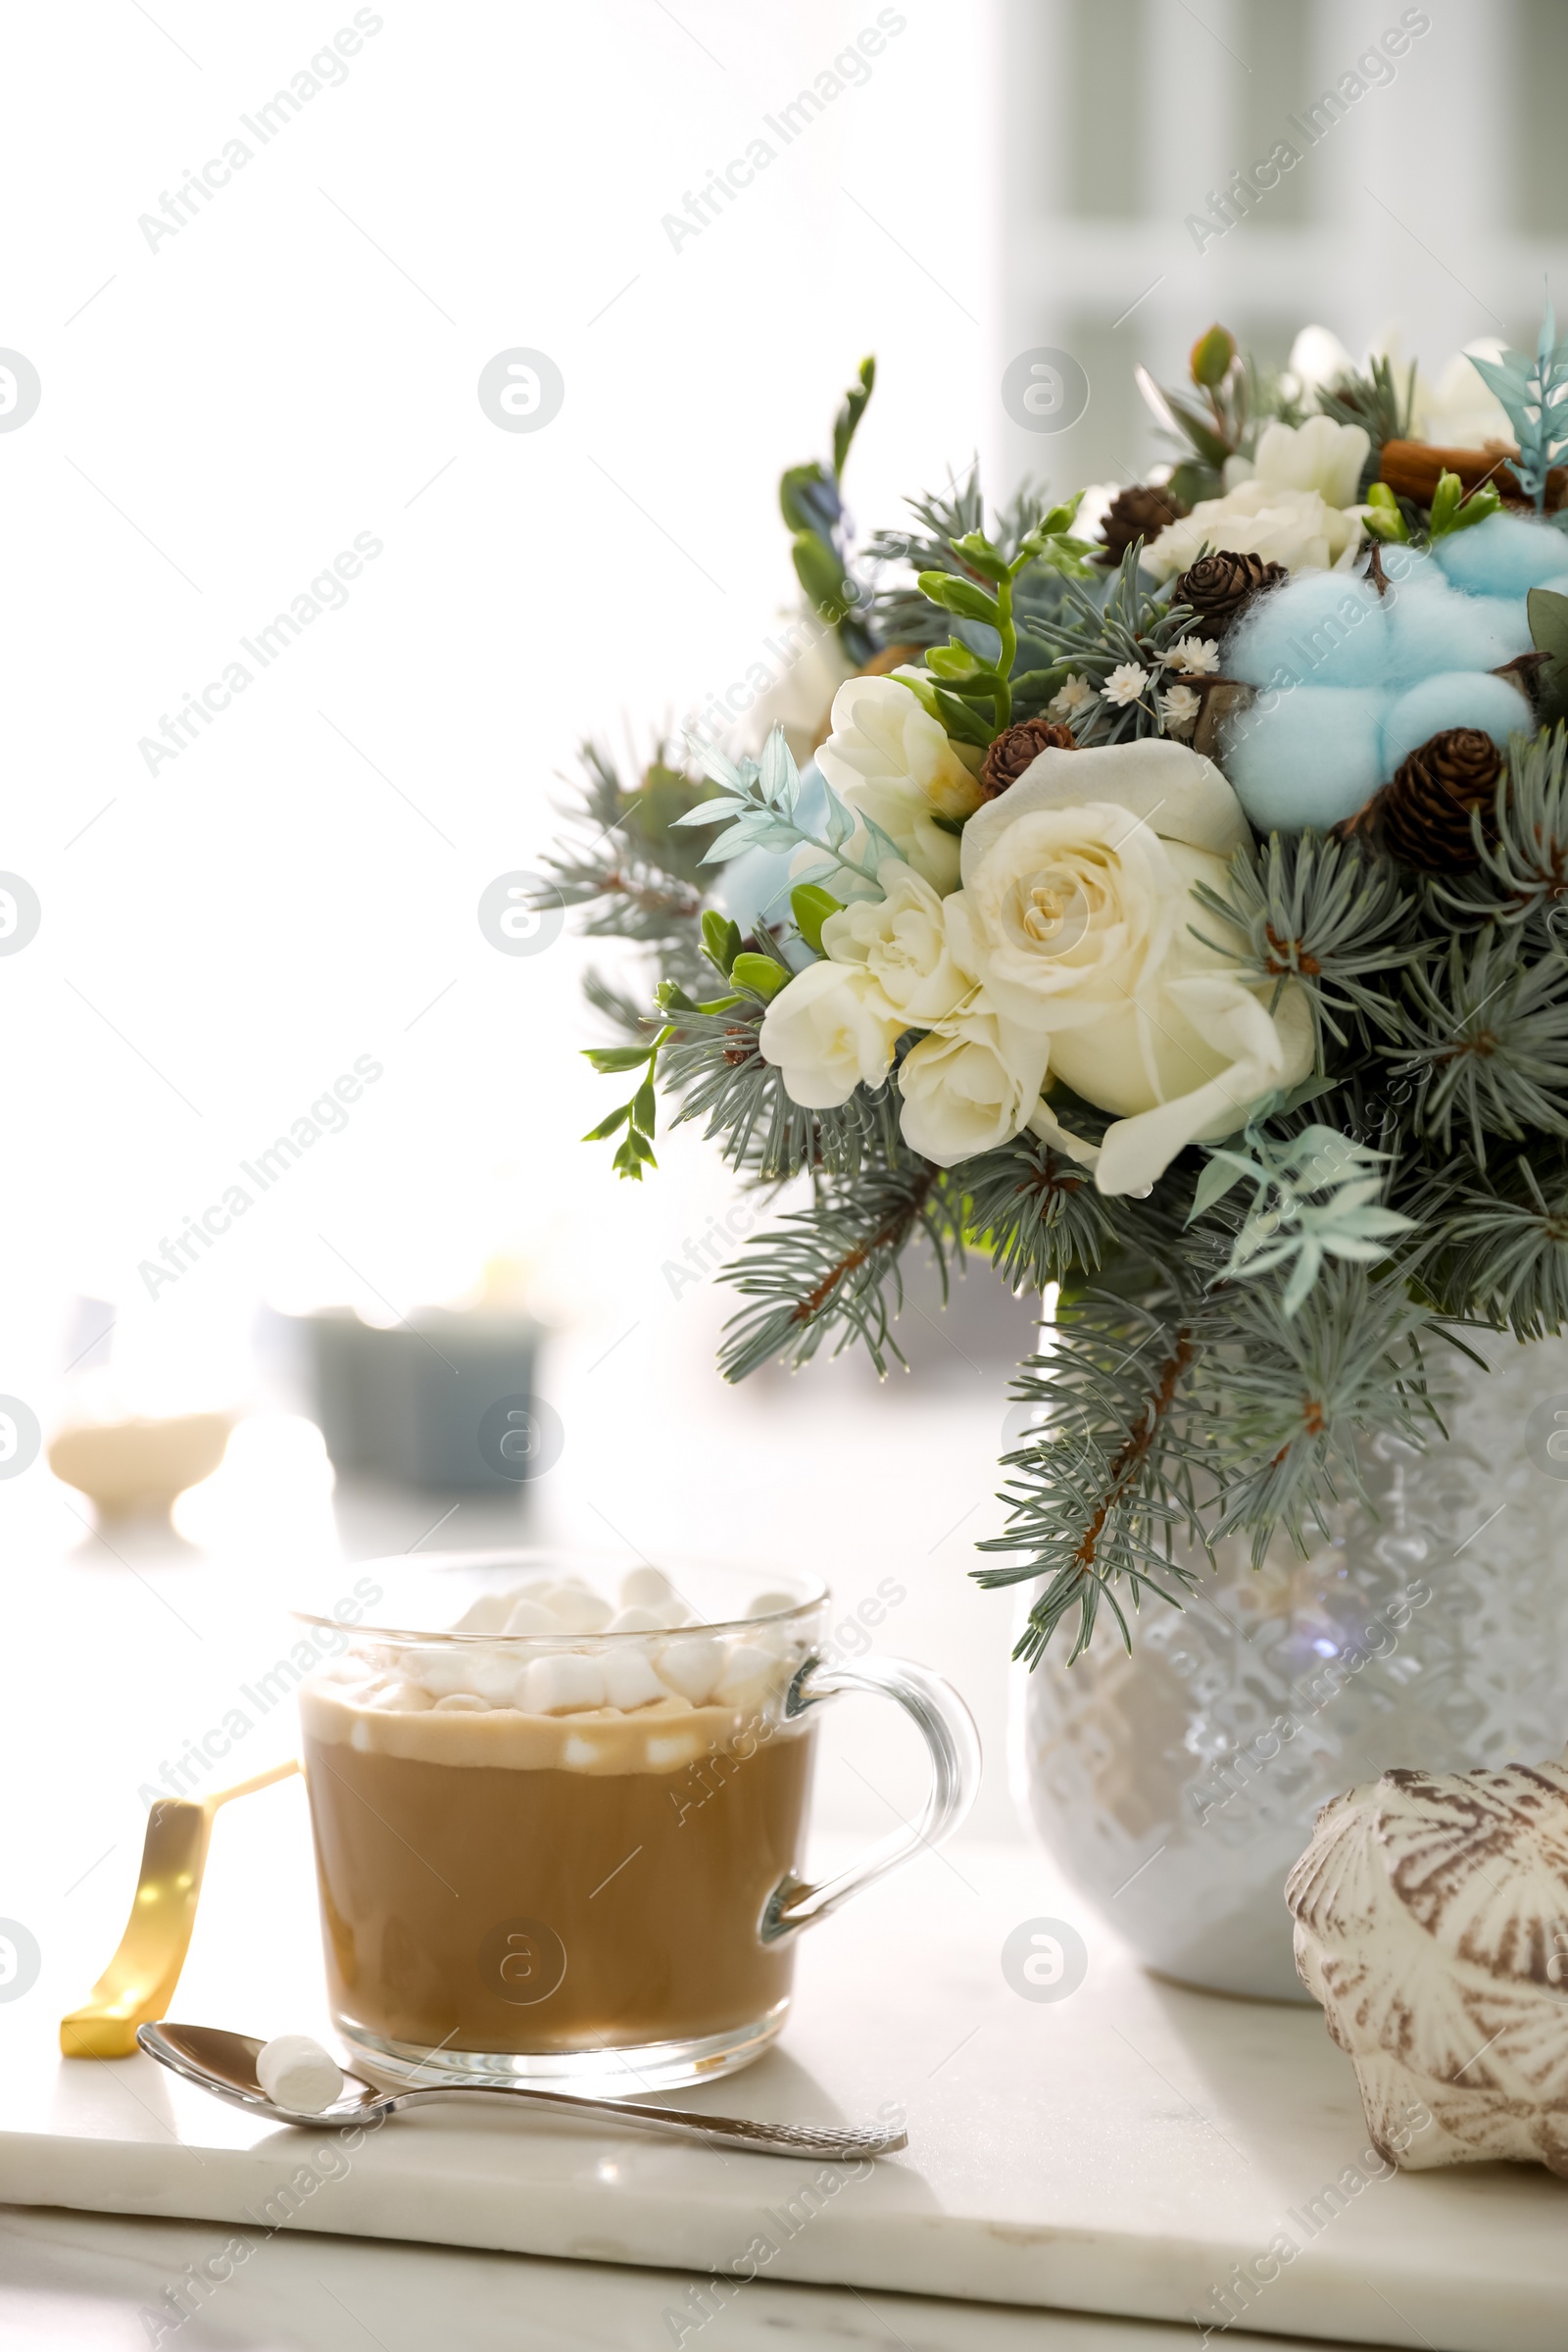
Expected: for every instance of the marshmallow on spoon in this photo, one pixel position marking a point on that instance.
(296, 2072)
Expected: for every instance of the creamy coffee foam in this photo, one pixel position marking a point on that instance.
(651, 1705)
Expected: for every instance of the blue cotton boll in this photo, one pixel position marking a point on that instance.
(1306, 757)
(1460, 699)
(1322, 627)
(1502, 557)
(1401, 562)
(1433, 628)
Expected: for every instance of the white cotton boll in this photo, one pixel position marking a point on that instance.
(296, 2072)
(770, 1605)
(637, 1621)
(646, 1589)
(463, 1703)
(562, 1684)
(629, 1680)
(486, 1615)
(530, 1617)
(692, 1666)
(576, 1610)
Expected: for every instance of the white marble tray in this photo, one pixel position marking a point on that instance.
(1119, 2151)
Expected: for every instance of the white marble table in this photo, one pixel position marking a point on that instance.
(1116, 2152)
(80, 2282)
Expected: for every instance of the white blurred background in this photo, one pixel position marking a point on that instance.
(227, 407)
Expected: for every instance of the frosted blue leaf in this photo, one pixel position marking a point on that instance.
(1224, 1169)
(708, 813)
(779, 781)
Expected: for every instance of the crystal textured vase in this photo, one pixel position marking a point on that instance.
(1176, 1786)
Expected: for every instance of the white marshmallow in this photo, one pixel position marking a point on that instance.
(296, 2072)
(636, 1621)
(486, 1615)
(662, 1753)
(691, 1665)
(441, 1668)
(563, 1684)
(463, 1703)
(492, 1675)
(629, 1679)
(769, 1604)
(530, 1617)
(401, 1698)
(747, 1671)
(576, 1610)
(646, 1589)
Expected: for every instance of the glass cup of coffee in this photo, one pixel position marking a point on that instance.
(560, 1814)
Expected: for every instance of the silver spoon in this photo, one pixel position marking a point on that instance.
(226, 2065)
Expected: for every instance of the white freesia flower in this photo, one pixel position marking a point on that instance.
(888, 758)
(1319, 456)
(1457, 411)
(1293, 527)
(1125, 683)
(830, 1030)
(902, 940)
(800, 700)
(969, 1086)
(1074, 915)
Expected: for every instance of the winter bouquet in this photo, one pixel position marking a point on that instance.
(1166, 907)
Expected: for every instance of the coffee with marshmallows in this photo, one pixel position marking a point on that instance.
(546, 1839)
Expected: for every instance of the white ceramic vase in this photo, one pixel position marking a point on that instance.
(1176, 1786)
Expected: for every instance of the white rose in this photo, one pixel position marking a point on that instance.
(889, 759)
(902, 940)
(969, 1086)
(1074, 915)
(1294, 527)
(830, 1030)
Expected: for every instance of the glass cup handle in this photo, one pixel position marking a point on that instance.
(948, 1729)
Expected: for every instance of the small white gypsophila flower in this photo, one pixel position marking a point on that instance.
(1196, 657)
(1126, 683)
(1072, 696)
(1179, 706)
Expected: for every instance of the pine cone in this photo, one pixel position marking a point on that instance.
(1220, 588)
(1423, 818)
(1141, 512)
(1017, 748)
